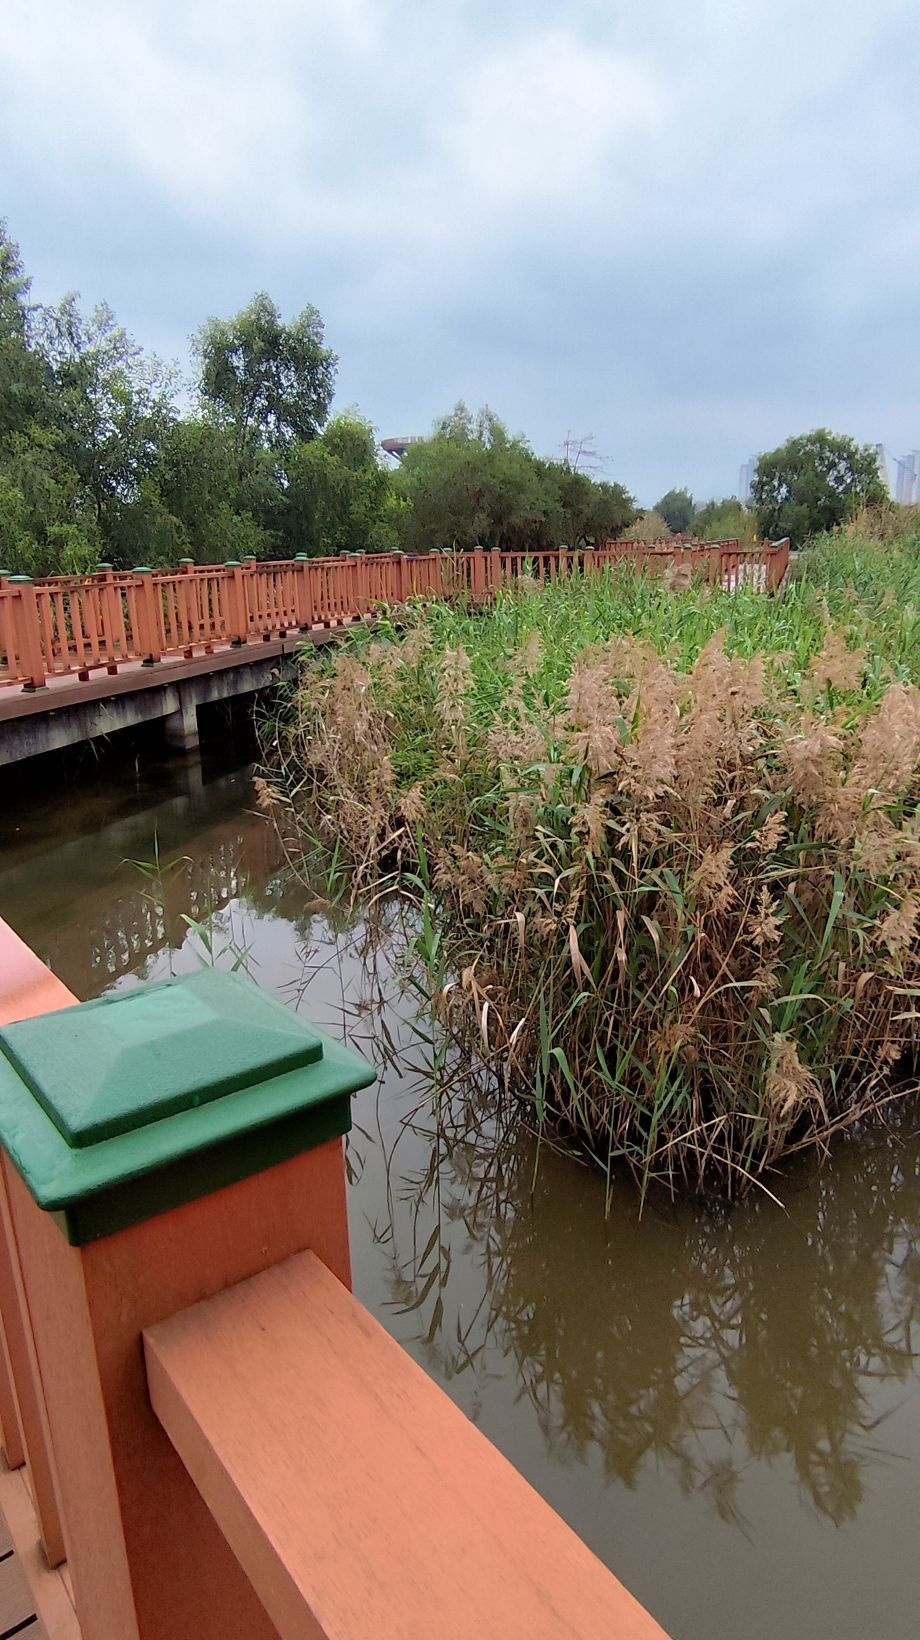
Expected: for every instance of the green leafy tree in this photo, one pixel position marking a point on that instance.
(268, 382)
(113, 404)
(648, 526)
(814, 482)
(474, 482)
(23, 375)
(471, 483)
(676, 508)
(16, 539)
(195, 475)
(725, 520)
(336, 494)
(591, 510)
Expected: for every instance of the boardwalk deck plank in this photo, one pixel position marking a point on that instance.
(16, 1603)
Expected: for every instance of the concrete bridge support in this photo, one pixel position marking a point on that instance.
(182, 726)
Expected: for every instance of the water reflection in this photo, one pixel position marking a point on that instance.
(699, 1342)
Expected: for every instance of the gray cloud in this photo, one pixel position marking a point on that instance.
(688, 228)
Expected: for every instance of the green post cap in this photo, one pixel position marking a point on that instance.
(121, 1108)
(142, 569)
(301, 557)
(20, 580)
(232, 563)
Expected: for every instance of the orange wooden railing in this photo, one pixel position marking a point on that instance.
(63, 625)
(214, 1436)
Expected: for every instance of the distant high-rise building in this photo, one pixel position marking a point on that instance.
(907, 485)
(746, 479)
(883, 469)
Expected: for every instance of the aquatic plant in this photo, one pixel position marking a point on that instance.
(665, 841)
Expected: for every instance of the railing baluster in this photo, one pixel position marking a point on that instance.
(30, 1400)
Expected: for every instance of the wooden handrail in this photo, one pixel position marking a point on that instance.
(26, 989)
(297, 1474)
(60, 625)
(357, 1498)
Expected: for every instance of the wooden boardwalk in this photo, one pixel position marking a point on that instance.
(35, 1602)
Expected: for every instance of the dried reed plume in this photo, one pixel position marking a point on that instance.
(684, 873)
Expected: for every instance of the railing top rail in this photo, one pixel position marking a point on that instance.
(106, 577)
(452, 1540)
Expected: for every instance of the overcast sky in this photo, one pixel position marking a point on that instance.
(687, 227)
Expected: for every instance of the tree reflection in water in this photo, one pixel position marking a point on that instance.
(692, 1339)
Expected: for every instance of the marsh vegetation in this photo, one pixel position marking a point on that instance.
(664, 845)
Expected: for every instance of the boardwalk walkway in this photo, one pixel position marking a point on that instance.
(34, 1602)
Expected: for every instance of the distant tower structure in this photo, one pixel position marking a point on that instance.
(907, 487)
(884, 471)
(398, 446)
(746, 479)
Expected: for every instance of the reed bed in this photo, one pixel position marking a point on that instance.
(665, 842)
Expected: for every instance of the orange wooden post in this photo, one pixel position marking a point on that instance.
(30, 1400)
(27, 633)
(186, 613)
(110, 606)
(212, 1196)
(303, 593)
(357, 603)
(362, 573)
(10, 1427)
(400, 573)
(237, 602)
(478, 572)
(147, 637)
(776, 555)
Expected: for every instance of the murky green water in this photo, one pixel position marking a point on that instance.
(725, 1409)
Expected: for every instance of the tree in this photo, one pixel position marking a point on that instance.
(649, 526)
(55, 526)
(591, 510)
(269, 382)
(336, 494)
(23, 377)
(676, 508)
(112, 404)
(814, 482)
(475, 483)
(195, 476)
(725, 520)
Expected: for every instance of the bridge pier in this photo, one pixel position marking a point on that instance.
(182, 726)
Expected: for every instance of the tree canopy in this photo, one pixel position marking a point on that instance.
(473, 483)
(725, 520)
(676, 508)
(648, 526)
(268, 382)
(814, 482)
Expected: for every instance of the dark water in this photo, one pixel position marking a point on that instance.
(725, 1409)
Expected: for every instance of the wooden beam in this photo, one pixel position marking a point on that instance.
(357, 1498)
